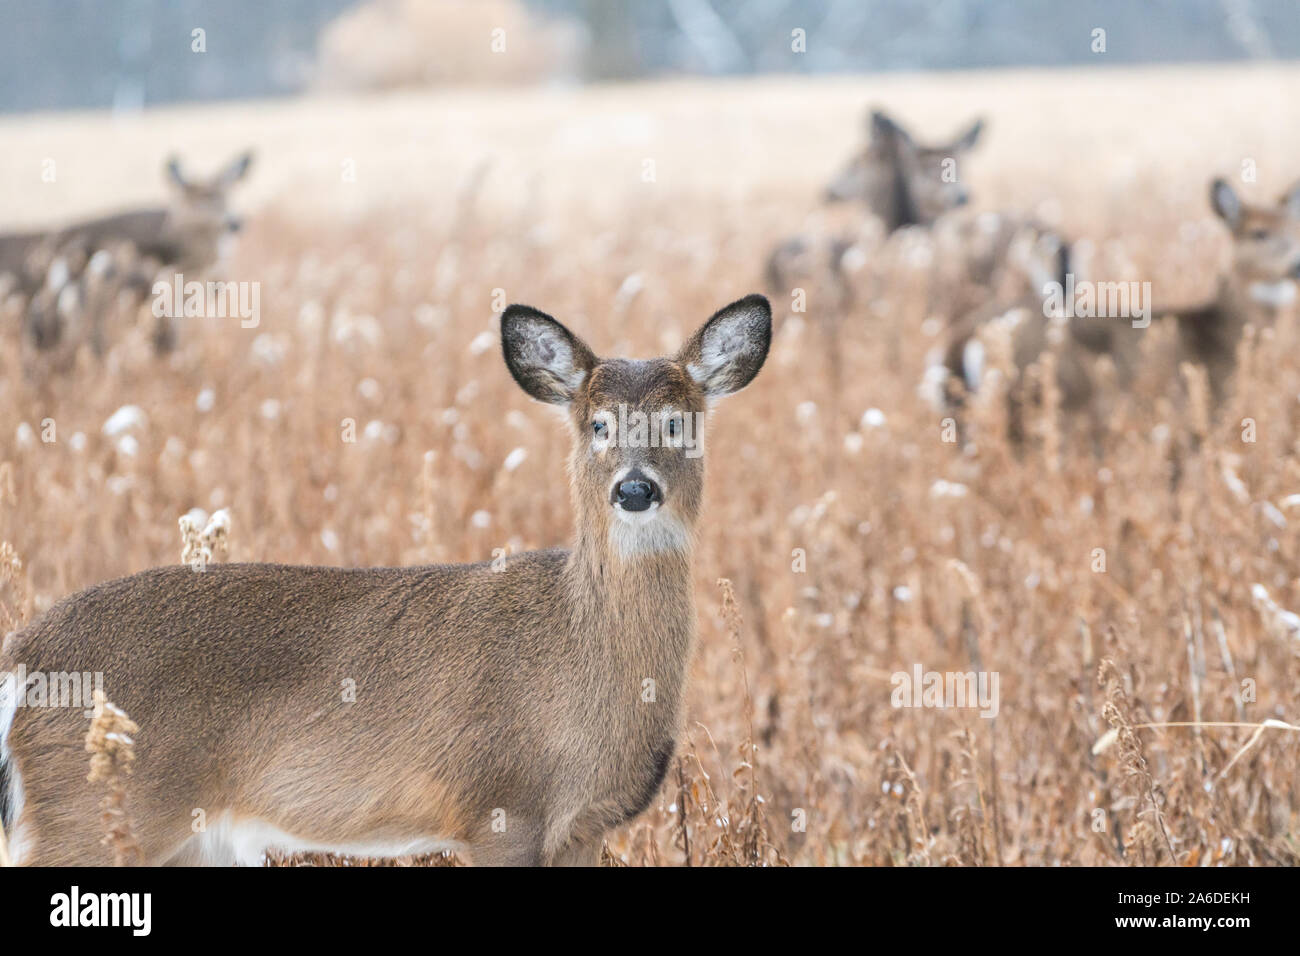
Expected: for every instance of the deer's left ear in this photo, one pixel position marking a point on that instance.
(968, 139)
(1223, 199)
(1291, 201)
(730, 348)
(884, 129)
(237, 169)
(174, 173)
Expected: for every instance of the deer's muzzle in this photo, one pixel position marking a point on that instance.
(635, 492)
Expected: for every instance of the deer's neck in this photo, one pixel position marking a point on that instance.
(1241, 300)
(635, 610)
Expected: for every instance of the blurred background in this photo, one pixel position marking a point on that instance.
(135, 53)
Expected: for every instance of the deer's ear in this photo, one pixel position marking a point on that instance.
(237, 169)
(173, 170)
(1223, 198)
(968, 139)
(730, 348)
(1290, 201)
(548, 361)
(882, 127)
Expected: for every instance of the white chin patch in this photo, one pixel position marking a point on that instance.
(226, 244)
(637, 517)
(652, 531)
(1277, 293)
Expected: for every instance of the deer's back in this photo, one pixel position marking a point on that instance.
(15, 250)
(146, 229)
(334, 649)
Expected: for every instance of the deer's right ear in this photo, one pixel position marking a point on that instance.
(1225, 202)
(236, 170)
(968, 139)
(548, 361)
(174, 173)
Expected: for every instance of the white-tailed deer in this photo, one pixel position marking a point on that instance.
(1260, 282)
(896, 180)
(901, 180)
(185, 235)
(516, 712)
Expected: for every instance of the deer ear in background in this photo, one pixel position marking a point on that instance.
(883, 128)
(1290, 201)
(237, 169)
(1224, 201)
(968, 139)
(173, 172)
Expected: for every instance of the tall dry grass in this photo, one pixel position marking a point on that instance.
(857, 542)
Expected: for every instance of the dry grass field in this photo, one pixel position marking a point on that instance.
(858, 545)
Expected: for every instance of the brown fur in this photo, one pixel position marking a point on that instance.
(477, 689)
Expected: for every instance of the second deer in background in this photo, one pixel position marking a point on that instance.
(65, 277)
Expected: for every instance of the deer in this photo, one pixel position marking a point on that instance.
(499, 710)
(977, 256)
(901, 180)
(1259, 283)
(896, 180)
(187, 234)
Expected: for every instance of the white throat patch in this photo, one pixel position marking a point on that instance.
(1279, 293)
(654, 531)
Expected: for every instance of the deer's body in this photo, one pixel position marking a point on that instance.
(16, 259)
(146, 229)
(502, 712)
(282, 641)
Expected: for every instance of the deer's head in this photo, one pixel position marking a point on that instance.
(200, 214)
(920, 182)
(637, 459)
(1265, 242)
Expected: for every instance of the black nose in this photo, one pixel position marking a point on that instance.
(963, 197)
(636, 492)
(234, 225)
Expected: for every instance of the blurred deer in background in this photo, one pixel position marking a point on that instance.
(1259, 283)
(897, 182)
(48, 268)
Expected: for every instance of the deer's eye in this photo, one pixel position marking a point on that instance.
(674, 426)
(599, 429)
(1259, 234)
